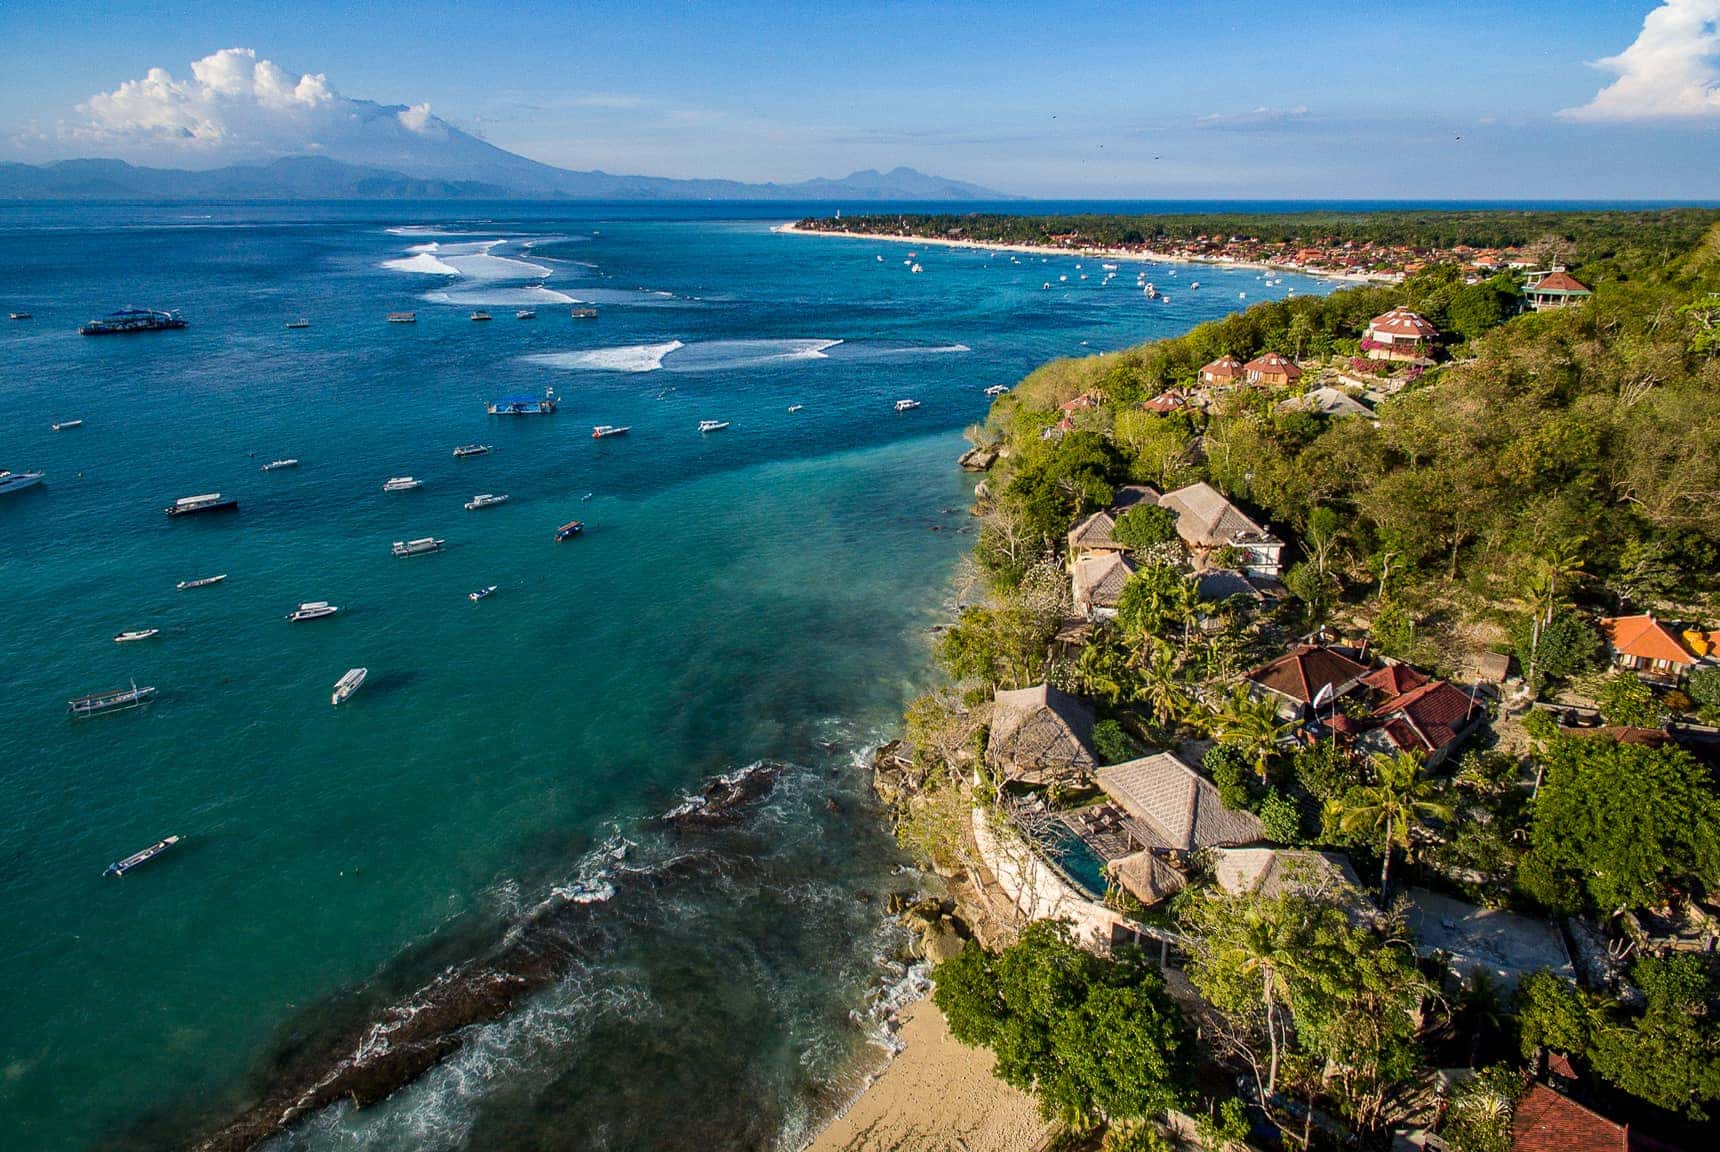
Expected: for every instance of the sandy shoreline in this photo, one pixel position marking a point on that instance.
(1091, 253)
(935, 1096)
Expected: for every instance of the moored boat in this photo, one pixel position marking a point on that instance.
(482, 593)
(526, 314)
(401, 484)
(19, 316)
(602, 430)
(117, 700)
(64, 424)
(480, 316)
(569, 530)
(208, 502)
(795, 407)
(997, 390)
(276, 465)
(18, 481)
(121, 867)
(299, 323)
(418, 547)
(140, 634)
(312, 610)
(347, 685)
(712, 425)
(465, 450)
(202, 583)
(403, 317)
(907, 405)
(128, 320)
(524, 405)
(486, 500)
(583, 313)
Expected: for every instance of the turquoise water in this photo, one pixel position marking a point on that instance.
(759, 594)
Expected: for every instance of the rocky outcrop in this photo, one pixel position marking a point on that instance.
(939, 933)
(978, 459)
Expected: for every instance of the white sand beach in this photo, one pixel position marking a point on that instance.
(935, 1096)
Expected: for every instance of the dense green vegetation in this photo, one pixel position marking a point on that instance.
(1546, 470)
(1574, 236)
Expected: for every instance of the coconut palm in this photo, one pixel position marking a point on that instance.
(1162, 683)
(1397, 804)
(1265, 950)
(1252, 724)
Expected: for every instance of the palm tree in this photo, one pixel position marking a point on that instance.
(1252, 724)
(1161, 684)
(1564, 566)
(1266, 952)
(1398, 803)
(1102, 669)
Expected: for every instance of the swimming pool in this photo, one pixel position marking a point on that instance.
(1077, 858)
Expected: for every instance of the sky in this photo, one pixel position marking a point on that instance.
(1564, 100)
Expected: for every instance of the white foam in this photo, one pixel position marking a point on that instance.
(483, 266)
(630, 358)
(480, 297)
(717, 355)
(422, 262)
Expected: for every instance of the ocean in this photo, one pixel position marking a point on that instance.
(475, 897)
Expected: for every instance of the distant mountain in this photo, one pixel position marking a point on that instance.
(467, 168)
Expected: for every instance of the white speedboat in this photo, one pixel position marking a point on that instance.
(480, 316)
(202, 583)
(486, 500)
(276, 465)
(712, 425)
(347, 685)
(603, 431)
(18, 481)
(795, 407)
(140, 634)
(64, 424)
(312, 610)
(526, 314)
(418, 547)
(997, 390)
(401, 484)
(907, 405)
(482, 593)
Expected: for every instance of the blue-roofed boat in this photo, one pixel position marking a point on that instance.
(121, 867)
(524, 405)
(132, 320)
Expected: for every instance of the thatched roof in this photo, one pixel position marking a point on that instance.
(1175, 807)
(1041, 727)
(1148, 878)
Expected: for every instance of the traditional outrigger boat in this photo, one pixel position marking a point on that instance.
(121, 867)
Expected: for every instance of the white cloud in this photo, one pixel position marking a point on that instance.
(1254, 118)
(235, 107)
(1671, 71)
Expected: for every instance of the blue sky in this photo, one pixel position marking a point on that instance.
(1435, 99)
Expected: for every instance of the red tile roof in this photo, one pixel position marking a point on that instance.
(1301, 674)
(1546, 1121)
(1395, 679)
(1402, 322)
(1225, 368)
(1166, 402)
(1274, 364)
(1080, 403)
(1645, 638)
(1427, 718)
(1560, 282)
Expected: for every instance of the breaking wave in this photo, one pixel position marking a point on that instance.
(630, 358)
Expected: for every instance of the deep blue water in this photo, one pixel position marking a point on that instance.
(757, 594)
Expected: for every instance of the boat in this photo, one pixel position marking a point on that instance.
(401, 484)
(485, 500)
(526, 314)
(916, 269)
(583, 313)
(795, 407)
(18, 481)
(569, 530)
(202, 583)
(525, 405)
(128, 320)
(19, 316)
(712, 425)
(121, 867)
(403, 317)
(603, 430)
(299, 323)
(118, 700)
(417, 547)
(1195, 284)
(997, 390)
(276, 465)
(312, 610)
(64, 424)
(140, 634)
(906, 405)
(480, 316)
(208, 502)
(465, 450)
(347, 685)
(482, 593)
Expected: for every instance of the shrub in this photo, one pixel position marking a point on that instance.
(1113, 744)
(1280, 818)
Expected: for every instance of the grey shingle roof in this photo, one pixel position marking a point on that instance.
(1177, 803)
(1099, 579)
(1206, 518)
(1041, 727)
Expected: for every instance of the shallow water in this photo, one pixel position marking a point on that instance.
(760, 593)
